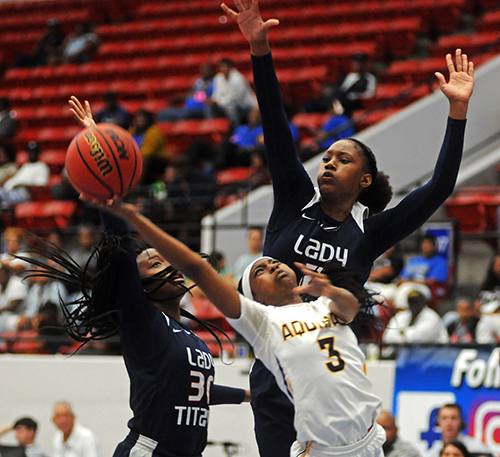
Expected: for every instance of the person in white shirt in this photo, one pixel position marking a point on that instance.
(32, 173)
(72, 440)
(450, 420)
(232, 94)
(418, 324)
(13, 293)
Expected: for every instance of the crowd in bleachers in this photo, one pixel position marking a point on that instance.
(149, 85)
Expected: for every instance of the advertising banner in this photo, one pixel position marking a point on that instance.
(429, 377)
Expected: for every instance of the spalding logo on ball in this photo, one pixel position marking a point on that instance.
(103, 161)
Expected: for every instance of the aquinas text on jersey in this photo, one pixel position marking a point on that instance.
(298, 328)
(319, 251)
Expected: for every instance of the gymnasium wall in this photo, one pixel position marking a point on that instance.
(98, 389)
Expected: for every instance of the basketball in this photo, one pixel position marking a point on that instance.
(103, 161)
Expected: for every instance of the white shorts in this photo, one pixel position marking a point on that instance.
(369, 446)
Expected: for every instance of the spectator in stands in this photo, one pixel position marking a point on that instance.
(113, 112)
(152, 143)
(394, 446)
(336, 127)
(194, 106)
(48, 48)
(32, 173)
(236, 150)
(452, 425)
(255, 243)
(8, 124)
(492, 280)
(357, 85)
(463, 330)
(25, 430)
(430, 267)
(418, 324)
(388, 266)
(81, 45)
(13, 293)
(8, 166)
(220, 264)
(191, 196)
(15, 244)
(41, 290)
(488, 327)
(48, 324)
(85, 243)
(72, 439)
(455, 449)
(232, 97)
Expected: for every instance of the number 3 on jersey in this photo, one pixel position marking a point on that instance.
(336, 362)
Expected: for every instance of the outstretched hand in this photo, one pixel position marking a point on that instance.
(318, 284)
(83, 116)
(459, 88)
(251, 24)
(113, 205)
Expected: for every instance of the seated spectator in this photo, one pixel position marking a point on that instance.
(191, 196)
(336, 127)
(194, 106)
(463, 330)
(8, 165)
(81, 45)
(15, 244)
(85, 244)
(492, 280)
(236, 150)
(350, 90)
(152, 143)
(388, 266)
(394, 446)
(8, 125)
(25, 431)
(48, 48)
(113, 112)
(255, 244)
(455, 449)
(42, 289)
(32, 173)
(488, 327)
(418, 324)
(13, 293)
(452, 425)
(232, 97)
(48, 324)
(259, 171)
(429, 268)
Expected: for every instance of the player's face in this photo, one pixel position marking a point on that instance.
(449, 420)
(150, 263)
(451, 451)
(272, 282)
(342, 170)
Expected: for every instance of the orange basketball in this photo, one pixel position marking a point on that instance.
(103, 161)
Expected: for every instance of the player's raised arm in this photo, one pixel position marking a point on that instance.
(218, 291)
(460, 85)
(251, 24)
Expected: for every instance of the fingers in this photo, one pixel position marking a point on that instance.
(470, 69)
(229, 11)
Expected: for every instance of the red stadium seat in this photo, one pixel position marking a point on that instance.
(469, 212)
(45, 215)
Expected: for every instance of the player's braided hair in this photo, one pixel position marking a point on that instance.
(379, 193)
(93, 316)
